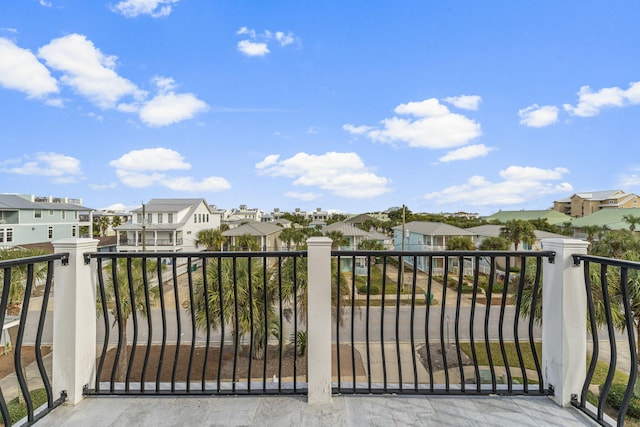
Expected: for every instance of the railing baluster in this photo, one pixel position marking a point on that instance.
(532, 317)
(193, 320)
(604, 391)
(414, 282)
(382, 301)
(43, 314)
(265, 314)
(472, 317)
(397, 324)
(105, 317)
(17, 352)
(487, 312)
(594, 335)
(443, 319)
(236, 324)
(353, 317)
(353, 263)
(456, 327)
(134, 317)
(427, 311)
(147, 304)
(629, 323)
(281, 323)
(503, 303)
(163, 313)
(176, 296)
(516, 322)
(251, 322)
(118, 319)
(295, 325)
(6, 287)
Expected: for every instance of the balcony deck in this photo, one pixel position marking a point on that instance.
(294, 411)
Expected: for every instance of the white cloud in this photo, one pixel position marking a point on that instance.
(170, 108)
(103, 187)
(87, 70)
(342, 174)
(537, 116)
(519, 184)
(20, 70)
(591, 103)
(151, 159)
(257, 44)
(45, 3)
(250, 48)
(465, 102)
(305, 197)
(153, 8)
(432, 126)
(62, 169)
(466, 153)
(148, 167)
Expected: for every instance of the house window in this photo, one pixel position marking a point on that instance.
(64, 214)
(50, 212)
(75, 215)
(73, 231)
(207, 217)
(37, 214)
(1, 235)
(149, 218)
(51, 232)
(195, 218)
(159, 218)
(139, 218)
(170, 218)
(9, 234)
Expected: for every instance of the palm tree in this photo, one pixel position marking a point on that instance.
(103, 225)
(237, 285)
(211, 238)
(287, 235)
(518, 231)
(591, 231)
(127, 292)
(116, 221)
(337, 239)
(247, 242)
(632, 220)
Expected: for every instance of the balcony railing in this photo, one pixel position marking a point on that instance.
(257, 323)
(35, 394)
(151, 242)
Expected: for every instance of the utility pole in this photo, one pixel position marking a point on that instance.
(144, 228)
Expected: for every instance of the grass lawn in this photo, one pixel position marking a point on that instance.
(391, 286)
(18, 409)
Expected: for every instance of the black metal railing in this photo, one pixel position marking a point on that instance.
(30, 394)
(613, 305)
(428, 330)
(200, 323)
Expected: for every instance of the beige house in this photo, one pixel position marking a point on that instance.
(581, 204)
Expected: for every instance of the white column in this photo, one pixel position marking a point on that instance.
(74, 319)
(564, 320)
(319, 320)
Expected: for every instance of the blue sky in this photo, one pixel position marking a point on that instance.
(350, 106)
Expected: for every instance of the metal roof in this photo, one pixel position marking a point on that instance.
(612, 218)
(253, 228)
(434, 229)
(552, 217)
(12, 201)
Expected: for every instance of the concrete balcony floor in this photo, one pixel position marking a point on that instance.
(294, 411)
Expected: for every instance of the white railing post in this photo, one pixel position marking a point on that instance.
(564, 320)
(319, 320)
(74, 319)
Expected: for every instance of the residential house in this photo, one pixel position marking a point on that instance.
(553, 217)
(26, 219)
(166, 225)
(582, 204)
(266, 234)
(360, 219)
(426, 236)
(353, 236)
(243, 213)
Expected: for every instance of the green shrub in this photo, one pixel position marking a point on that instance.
(373, 289)
(615, 396)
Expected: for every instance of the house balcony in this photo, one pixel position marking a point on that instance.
(496, 351)
(150, 244)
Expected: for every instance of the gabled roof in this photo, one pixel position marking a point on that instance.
(253, 228)
(12, 201)
(434, 229)
(170, 205)
(598, 195)
(612, 218)
(359, 219)
(552, 217)
(347, 230)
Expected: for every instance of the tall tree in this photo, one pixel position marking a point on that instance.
(632, 220)
(116, 221)
(246, 296)
(103, 224)
(287, 236)
(518, 231)
(337, 239)
(247, 242)
(212, 238)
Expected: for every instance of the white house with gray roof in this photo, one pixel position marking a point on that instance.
(266, 234)
(27, 219)
(170, 225)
